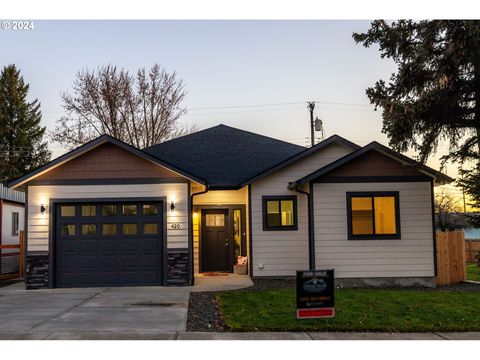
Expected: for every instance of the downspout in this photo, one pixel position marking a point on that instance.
(311, 239)
(192, 263)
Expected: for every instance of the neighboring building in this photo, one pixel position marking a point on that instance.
(108, 214)
(12, 215)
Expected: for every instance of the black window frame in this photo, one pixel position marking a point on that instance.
(373, 194)
(279, 198)
(15, 223)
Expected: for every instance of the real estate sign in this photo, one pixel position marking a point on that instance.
(315, 294)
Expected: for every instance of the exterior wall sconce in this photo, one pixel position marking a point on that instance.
(172, 206)
(42, 208)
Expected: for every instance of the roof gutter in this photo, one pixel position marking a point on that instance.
(311, 225)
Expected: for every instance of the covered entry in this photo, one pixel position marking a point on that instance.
(109, 243)
(221, 236)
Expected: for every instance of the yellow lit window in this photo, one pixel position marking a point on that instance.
(373, 215)
(279, 213)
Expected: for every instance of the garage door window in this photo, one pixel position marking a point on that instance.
(109, 210)
(129, 210)
(89, 229)
(67, 211)
(129, 229)
(109, 229)
(150, 209)
(150, 229)
(67, 229)
(89, 210)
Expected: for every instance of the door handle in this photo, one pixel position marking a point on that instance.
(226, 242)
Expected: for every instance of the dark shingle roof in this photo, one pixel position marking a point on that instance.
(224, 156)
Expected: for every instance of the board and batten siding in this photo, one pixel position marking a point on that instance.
(38, 223)
(410, 256)
(215, 198)
(284, 252)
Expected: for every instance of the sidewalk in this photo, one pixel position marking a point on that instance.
(234, 336)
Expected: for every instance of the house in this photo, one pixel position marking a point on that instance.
(12, 215)
(109, 214)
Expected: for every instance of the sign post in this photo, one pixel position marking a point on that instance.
(315, 294)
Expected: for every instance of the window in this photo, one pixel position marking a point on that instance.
(67, 229)
(129, 210)
(109, 210)
(109, 229)
(89, 210)
(150, 229)
(15, 223)
(279, 213)
(67, 211)
(129, 229)
(89, 229)
(150, 209)
(214, 220)
(373, 215)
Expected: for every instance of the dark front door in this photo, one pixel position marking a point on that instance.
(215, 245)
(108, 244)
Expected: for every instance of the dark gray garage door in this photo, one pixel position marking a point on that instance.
(108, 244)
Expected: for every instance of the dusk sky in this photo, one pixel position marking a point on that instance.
(223, 64)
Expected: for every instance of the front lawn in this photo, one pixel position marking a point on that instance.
(356, 310)
(473, 272)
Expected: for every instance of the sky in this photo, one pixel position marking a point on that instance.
(223, 64)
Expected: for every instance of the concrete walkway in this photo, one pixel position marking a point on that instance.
(43, 313)
(221, 283)
(143, 335)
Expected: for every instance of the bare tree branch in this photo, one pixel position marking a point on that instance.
(142, 110)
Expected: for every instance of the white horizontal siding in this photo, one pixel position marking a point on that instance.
(38, 223)
(284, 252)
(410, 256)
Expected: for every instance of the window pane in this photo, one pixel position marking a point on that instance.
(287, 212)
(129, 210)
(67, 211)
(150, 228)
(67, 229)
(149, 209)
(109, 229)
(129, 229)
(273, 213)
(362, 222)
(385, 222)
(237, 232)
(215, 220)
(109, 210)
(89, 229)
(89, 210)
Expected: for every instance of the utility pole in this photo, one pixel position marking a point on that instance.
(311, 107)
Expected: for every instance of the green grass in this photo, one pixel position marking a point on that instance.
(473, 272)
(356, 310)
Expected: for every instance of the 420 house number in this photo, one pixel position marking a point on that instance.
(175, 226)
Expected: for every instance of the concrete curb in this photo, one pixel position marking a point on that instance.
(103, 335)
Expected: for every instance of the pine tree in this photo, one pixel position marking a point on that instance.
(435, 93)
(22, 145)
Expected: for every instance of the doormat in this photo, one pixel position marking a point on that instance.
(215, 274)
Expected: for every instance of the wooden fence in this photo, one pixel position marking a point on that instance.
(20, 254)
(472, 248)
(451, 259)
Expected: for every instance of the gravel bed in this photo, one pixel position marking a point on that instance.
(204, 314)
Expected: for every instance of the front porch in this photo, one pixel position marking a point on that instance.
(220, 230)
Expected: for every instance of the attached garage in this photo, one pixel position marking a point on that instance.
(109, 243)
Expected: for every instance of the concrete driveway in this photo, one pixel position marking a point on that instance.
(130, 312)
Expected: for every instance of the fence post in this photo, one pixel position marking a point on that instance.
(21, 255)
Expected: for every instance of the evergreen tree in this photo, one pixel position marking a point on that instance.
(22, 146)
(435, 93)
